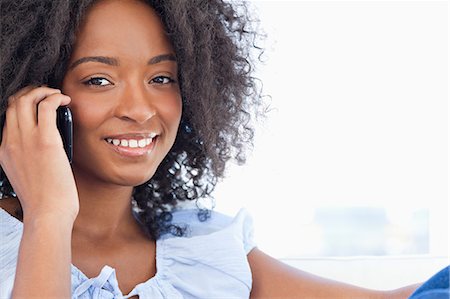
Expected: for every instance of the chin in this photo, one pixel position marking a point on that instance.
(131, 174)
(132, 180)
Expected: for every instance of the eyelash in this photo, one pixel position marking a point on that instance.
(164, 78)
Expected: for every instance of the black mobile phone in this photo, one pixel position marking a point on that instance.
(65, 128)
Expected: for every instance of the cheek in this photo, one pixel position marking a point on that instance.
(86, 113)
(86, 117)
(172, 112)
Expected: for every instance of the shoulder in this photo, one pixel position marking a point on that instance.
(213, 249)
(200, 222)
(216, 225)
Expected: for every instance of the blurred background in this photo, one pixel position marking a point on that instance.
(352, 160)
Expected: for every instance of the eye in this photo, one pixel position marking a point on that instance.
(162, 80)
(97, 81)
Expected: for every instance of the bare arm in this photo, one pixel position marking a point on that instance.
(274, 279)
(43, 266)
(33, 158)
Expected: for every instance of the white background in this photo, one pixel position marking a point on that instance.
(360, 118)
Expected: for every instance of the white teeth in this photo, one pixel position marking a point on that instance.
(130, 142)
(142, 143)
(152, 135)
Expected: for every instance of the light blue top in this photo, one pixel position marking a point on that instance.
(209, 262)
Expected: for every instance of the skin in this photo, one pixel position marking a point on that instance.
(123, 98)
(128, 96)
(134, 96)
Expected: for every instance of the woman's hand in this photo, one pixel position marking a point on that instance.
(33, 157)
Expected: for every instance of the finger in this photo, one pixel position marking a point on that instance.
(26, 107)
(10, 116)
(39, 93)
(9, 133)
(20, 93)
(47, 111)
(10, 122)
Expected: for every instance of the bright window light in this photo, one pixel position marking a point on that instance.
(353, 158)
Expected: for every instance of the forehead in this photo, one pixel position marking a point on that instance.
(121, 27)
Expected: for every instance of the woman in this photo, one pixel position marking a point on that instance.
(161, 93)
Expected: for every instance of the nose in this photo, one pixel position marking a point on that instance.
(135, 104)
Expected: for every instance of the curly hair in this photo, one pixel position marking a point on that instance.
(214, 42)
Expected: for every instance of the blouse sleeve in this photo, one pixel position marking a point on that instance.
(214, 250)
(247, 231)
(10, 236)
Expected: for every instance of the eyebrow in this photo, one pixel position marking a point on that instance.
(115, 62)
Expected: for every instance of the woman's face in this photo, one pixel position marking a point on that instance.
(122, 82)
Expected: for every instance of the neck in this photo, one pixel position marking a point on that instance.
(105, 211)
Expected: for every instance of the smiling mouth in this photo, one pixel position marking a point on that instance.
(131, 143)
(132, 147)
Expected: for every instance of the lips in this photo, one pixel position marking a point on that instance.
(136, 136)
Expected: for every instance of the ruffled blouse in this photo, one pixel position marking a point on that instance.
(210, 261)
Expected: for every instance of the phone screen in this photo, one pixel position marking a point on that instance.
(65, 127)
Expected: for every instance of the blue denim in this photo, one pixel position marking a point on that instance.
(437, 287)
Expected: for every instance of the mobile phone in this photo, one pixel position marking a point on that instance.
(65, 128)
